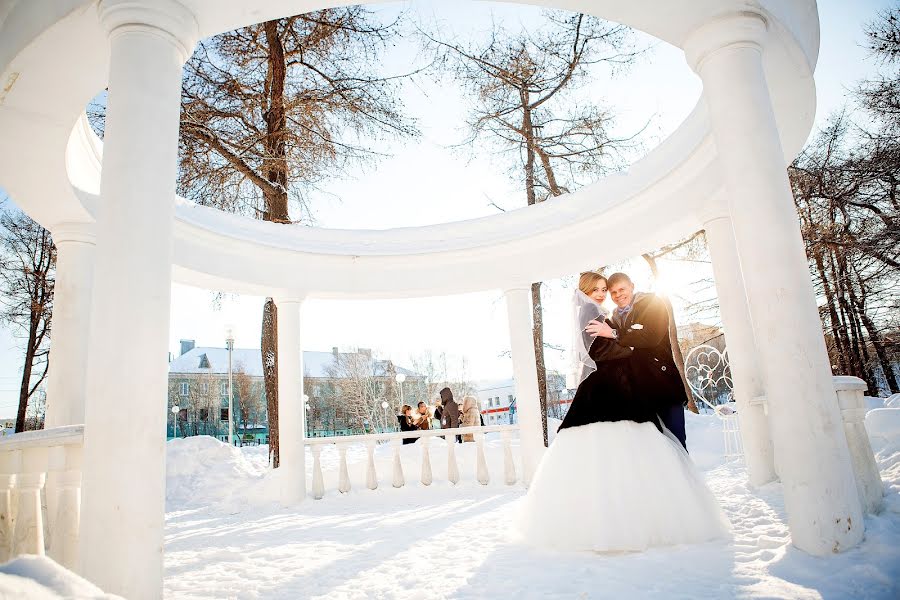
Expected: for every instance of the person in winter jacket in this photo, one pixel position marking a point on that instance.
(406, 422)
(449, 411)
(470, 417)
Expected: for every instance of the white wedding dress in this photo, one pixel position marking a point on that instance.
(617, 487)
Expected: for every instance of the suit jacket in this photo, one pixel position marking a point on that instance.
(646, 330)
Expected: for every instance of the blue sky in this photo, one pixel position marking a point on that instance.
(426, 182)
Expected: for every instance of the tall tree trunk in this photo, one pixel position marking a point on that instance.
(537, 316)
(832, 311)
(536, 310)
(25, 388)
(269, 345)
(276, 210)
(673, 339)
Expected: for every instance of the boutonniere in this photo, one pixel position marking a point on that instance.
(636, 326)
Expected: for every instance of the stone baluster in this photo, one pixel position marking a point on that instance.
(452, 468)
(426, 463)
(64, 503)
(344, 478)
(371, 475)
(28, 537)
(481, 470)
(7, 520)
(509, 465)
(853, 412)
(318, 482)
(398, 479)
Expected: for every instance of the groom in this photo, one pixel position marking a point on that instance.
(641, 321)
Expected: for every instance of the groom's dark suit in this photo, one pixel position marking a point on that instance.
(646, 329)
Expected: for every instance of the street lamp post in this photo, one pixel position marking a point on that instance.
(229, 341)
(175, 409)
(306, 410)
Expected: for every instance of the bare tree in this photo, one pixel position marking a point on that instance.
(27, 271)
(521, 87)
(248, 395)
(360, 389)
(268, 111)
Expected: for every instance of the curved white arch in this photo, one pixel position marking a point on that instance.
(52, 169)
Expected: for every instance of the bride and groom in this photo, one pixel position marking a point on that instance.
(618, 477)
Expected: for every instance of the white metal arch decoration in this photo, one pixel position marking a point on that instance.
(708, 375)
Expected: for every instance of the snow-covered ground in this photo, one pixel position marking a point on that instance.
(226, 539)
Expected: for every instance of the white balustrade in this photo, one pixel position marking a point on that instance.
(395, 440)
(318, 482)
(33, 462)
(481, 468)
(452, 467)
(344, 478)
(853, 412)
(371, 477)
(398, 481)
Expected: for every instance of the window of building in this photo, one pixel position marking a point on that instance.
(204, 414)
(184, 388)
(204, 388)
(509, 398)
(223, 414)
(224, 388)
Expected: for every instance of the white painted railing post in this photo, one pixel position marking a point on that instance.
(452, 467)
(318, 482)
(399, 480)
(509, 465)
(853, 412)
(426, 463)
(344, 477)
(28, 537)
(481, 469)
(64, 540)
(7, 521)
(371, 475)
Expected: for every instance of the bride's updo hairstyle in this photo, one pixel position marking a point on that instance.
(588, 281)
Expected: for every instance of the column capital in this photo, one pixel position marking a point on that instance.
(517, 287)
(744, 29)
(288, 297)
(84, 233)
(166, 18)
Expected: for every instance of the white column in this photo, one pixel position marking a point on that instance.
(123, 496)
(75, 244)
(291, 412)
(528, 406)
(812, 457)
(749, 392)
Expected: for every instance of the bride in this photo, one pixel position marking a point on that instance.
(614, 479)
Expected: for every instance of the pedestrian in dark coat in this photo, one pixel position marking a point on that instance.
(449, 412)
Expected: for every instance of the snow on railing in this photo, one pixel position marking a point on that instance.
(48, 460)
(396, 440)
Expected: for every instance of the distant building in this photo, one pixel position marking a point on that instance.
(198, 386)
(497, 399)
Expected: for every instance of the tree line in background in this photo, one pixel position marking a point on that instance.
(845, 185)
(271, 110)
